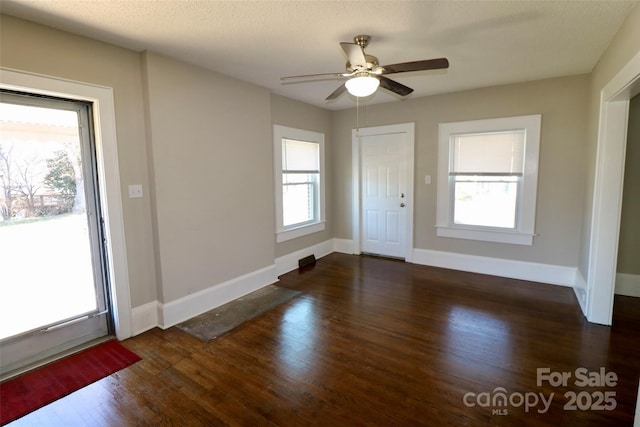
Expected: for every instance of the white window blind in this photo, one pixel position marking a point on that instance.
(300, 156)
(487, 179)
(300, 170)
(299, 182)
(496, 153)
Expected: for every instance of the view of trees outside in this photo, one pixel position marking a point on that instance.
(40, 166)
(46, 272)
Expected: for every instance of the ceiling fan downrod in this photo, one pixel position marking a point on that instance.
(362, 40)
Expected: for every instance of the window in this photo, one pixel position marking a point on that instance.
(299, 159)
(487, 179)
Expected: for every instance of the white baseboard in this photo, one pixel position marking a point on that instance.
(580, 289)
(289, 262)
(523, 270)
(155, 313)
(182, 309)
(144, 317)
(628, 284)
(344, 246)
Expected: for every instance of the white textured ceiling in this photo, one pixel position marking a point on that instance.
(487, 42)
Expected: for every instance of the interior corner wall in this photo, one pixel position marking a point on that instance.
(30, 47)
(562, 103)
(296, 114)
(212, 154)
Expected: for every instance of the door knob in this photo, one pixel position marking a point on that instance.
(402, 205)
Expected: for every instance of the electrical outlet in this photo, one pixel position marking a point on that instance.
(135, 191)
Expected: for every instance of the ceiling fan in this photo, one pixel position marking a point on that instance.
(365, 74)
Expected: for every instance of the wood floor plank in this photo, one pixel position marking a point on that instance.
(374, 342)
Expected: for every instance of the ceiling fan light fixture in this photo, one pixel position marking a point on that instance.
(362, 86)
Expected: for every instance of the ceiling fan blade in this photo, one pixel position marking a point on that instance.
(336, 93)
(304, 76)
(427, 64)
(355, 54)
(394, 86)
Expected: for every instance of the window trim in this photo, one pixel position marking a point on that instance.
(287, 233)
(523, 233)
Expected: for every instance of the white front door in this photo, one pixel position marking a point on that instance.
(386, 175)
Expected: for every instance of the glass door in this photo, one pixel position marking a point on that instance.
(53, 293)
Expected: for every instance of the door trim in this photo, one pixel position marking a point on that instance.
(101, 98)
(607, 191)
(409, 129)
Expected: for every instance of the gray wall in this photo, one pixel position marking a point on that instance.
(212, 175)
(38, 49)
(288, 112)
(629, 244)
(562, 103)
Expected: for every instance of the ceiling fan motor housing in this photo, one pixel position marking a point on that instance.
(372, 64)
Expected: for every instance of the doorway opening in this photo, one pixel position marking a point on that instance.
(628, 267)
(54, 289)
(607, 200)
(383, 176)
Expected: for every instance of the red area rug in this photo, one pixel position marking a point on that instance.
(30, 391)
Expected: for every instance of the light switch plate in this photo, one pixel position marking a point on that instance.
(427, 179)
(135, 191)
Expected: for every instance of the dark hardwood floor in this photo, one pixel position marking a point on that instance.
(377, 342)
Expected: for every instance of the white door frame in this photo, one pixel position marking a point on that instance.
(409, 129)
(101, 98)
(608, 185)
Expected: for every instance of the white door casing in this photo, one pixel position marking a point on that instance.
(383, 190)
(108, 173)
(608, 185)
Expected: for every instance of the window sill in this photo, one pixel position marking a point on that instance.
(294, 233)
(487, 235)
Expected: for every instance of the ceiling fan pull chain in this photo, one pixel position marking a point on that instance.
(366, 114)
(358, 116)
